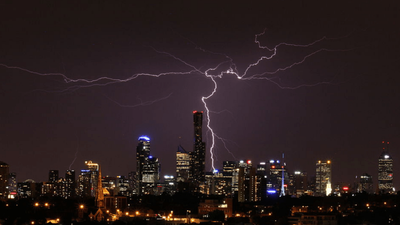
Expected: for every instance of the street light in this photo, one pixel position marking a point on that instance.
(81, 206)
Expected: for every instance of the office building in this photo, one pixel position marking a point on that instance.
(169, 185)
(385, 171)
(150, 175)
(94, 175)
(84, 184)
(147, 168)
(299, 186)
(4, 173)
(323, 178)
(198, 156)
(366, 184)
(12, 186)
(218, 183)
(182, 165)
(277, 171)
(70, 184)
(53, 176)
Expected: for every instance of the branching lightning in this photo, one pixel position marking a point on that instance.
(208, 73)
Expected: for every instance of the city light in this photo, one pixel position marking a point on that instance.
(144, 138)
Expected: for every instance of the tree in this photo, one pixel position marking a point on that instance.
(217, 215)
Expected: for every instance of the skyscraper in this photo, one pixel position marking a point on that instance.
(366, 184)
(147, 167)
(300, 183)
(70, 184)
(323, 177)
(4, 172)
(150, 175)
(94, 176)
(12, 185)
(182, 165)
(385, 171)
(198, 156)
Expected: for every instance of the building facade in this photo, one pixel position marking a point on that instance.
(385, 171)
(182, 165)
(147, 168)
(198, 156)
(4, 173)
(323, 177)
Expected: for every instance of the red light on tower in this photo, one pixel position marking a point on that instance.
(194, 112)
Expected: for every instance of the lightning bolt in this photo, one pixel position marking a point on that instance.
(142, 103)
(210, 73)
(76, 155)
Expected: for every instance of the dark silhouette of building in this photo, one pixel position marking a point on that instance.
(300, 183)
(4, 172)
(53, 176)
(198, 156)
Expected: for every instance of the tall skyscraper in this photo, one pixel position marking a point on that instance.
(278, 176)
(150, 175)
(4, 172)
(94, 176)
(147, 168)
(70, 184)
(385, 171)
(84, 184)
(198, 156)
(182, 165)
(323, 177)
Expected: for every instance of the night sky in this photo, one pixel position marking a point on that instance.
(339, 104)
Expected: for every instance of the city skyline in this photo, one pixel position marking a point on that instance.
(345, 108)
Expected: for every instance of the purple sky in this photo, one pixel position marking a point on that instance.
(45, 122)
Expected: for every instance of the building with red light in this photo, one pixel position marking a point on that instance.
(385, 171)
